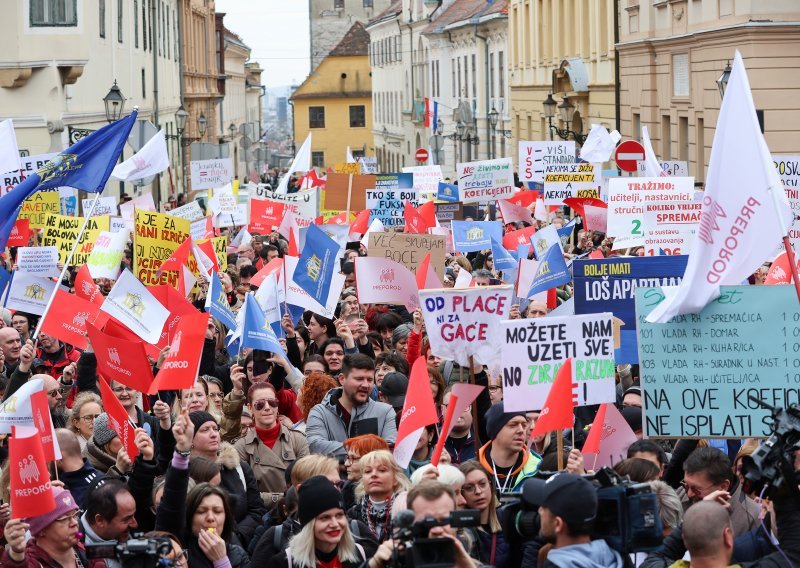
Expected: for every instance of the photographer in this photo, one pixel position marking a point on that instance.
(435, 500)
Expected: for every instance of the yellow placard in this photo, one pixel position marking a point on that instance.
(61, 231)
(156, 237)
(221, 248)
(347, 168)
(38, 206)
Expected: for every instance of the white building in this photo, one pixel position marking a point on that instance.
(59, 58)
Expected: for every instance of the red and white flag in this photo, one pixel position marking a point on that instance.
(43, 422)
(513, 213)
(20, 233)
(67, 318)
(426, 275)
(595, 218)
(179, 369)
(31, 493)
(781, 271)
(118, 419)
(608, 439)
(133, 305)
(414, 222)
(384, 281)
(419, 411)
(265, 214)
(121, 360)
(86, 288)
(745, 211)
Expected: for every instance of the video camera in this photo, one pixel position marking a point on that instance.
(627, 514)
(137, 552)
(767, 470)
(423, 552)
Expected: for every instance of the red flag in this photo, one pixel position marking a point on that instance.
(209, 232)
(177, 258)
(597, 253)
(552, 299)
(781, 271)
(118, 419)
(427, 212)
(426, 275)
(114, 328)
(418, 411)
(578, 203)
(31, 493)
(361, 224)
(341, 219)
(207, 246)
(121, 360)
(86, 288)
(557, 412)
(524, 197)
(414, 223)
(592, 443)
(265, 214)
(177, 305)
(514, 239)
(512, 212)
(461, 396)
(294, 249)
(274, 266)
(67, 318)
(20, 234)
(43, 422)
(179, 370)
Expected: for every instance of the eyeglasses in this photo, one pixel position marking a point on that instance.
(695, 490)
(53, 392)
(471, 489)
(120, 390)
(261, 404)
(181, 559)
(89, 418)
(352, 459)
(68, 518)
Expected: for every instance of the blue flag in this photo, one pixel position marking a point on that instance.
(552, 271)
(217, 304)
(503, 260)
(470, 236)
(85, 165)
(256, 332)
(447, 192)
(316, 264)
(565, 232)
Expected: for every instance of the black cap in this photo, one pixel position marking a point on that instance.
(566, 495)
(497, 418)
(633, 416)
(316, 495)
(394, 388)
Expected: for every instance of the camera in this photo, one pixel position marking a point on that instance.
(137, 552)
(767, 470)
(423, 552)
(627, 514)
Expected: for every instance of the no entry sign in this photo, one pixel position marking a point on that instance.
(421, 155)
(628, 154)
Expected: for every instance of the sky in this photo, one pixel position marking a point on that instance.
(277, 33)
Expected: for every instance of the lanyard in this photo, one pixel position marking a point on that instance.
(501, 489)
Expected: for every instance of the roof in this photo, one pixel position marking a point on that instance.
(464, 10)
(234, 38)
(354, 42)
(392, 10)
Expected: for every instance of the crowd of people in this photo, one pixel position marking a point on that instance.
(285, 459)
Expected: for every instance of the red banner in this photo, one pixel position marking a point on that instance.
(265, 215)
(514, 239)
(121, 360)
(419, 411)
(180, 367)
(118, 418)
(31, 492)
(20, 234)
(86, 288)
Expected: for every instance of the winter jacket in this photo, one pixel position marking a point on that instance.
(482, 544)
(78, 481)
(743, 510)
(595, 554)
(326, 431)
(240, 483)
(55, 362)
(269, 465)
(101, 460)
(282, 560)
(35, 557)
(466, 453)
(531, 462)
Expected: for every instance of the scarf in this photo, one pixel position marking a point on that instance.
(377, 517)
(269, 437)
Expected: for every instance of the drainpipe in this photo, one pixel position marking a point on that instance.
(616, 65)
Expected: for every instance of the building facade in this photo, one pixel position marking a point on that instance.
(330, 20)
(335, 102)
(52, 80)
(233, 122)
(563, 47)
(672, 53)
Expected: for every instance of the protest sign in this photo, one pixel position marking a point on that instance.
(471, 236)
(207, 174)
(697, 370)
(106, 256)
(409, 249)
(191, 212)
(679, 168)
(344, 192)
(38, 206)
(236, 219)
(62, 232)
(609, 285)
(117, 225)
(562, 181)
(29, 165)
(38, 261)
(143, 202)
(447, 212)
(29, 293)
(384, 281)
(369, 164)
(534, 157)
(387, 199)
(465, 323)
(68, 201)
(347, 168)
(789, 171)
(156, 237)
(265, 215)
(532, 351)
(426, 181)
(485, 180)
(303, 204)
(106, 205)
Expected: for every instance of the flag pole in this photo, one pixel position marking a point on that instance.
(787, 244)
(66, 266)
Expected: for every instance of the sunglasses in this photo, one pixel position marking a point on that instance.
(262, 403)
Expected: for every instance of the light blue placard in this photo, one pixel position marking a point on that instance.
(698, 370)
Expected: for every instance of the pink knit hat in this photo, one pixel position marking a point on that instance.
(65, 504)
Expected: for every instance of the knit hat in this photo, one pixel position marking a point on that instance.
(633, 416)
(200, 417)
(65, 504)
(102, 433)
(497, 417)
(317, 495)
(394, 387)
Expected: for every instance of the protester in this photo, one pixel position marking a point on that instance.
(381, 480)
(506, 454)
(460, 444)
(110, 514)
(489, 544)
(316, 386)
(56, 356)
(73, 468)
(85, 410)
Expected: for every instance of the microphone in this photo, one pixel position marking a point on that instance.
(404, 519)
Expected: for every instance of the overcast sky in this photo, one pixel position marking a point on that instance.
(277, 33)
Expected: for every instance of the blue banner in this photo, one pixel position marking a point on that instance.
(447, 192)
(552, 271)
(608, 285)
(470, 236)
(257, 333)
(316, 264)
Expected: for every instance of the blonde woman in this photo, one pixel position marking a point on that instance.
(85, 409)
(488, 544)
(381, 480)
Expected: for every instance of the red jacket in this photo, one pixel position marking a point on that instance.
(55, 364)
(35, 557)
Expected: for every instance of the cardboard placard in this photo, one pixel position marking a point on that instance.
(338, 186)
(409, 249)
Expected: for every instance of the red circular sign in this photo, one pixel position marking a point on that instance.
(421, 155)
(628, 154)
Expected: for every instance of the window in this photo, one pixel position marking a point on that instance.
(316, 117)
(501, 73)
(166, 11)
(144, 86)
(318, 159)
(53, 13)
(491, 75)
(175, 34)
(101, 6)
(474, 79)
(135, 23)
(666, 138)
(367, 3)
(358, 116)
(338, 4)
(358, 154)
(119, 20)
(144, 25)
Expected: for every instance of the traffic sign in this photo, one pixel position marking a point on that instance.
(628, 154)
(421, 155)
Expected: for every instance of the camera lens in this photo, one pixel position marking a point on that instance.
(527, 524)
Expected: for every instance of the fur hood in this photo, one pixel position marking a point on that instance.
(228, 457)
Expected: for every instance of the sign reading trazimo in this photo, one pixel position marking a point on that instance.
(207, 174)
(409, 249)
(698, 370)
(533, 351)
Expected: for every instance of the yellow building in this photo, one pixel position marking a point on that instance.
(563, 47)
(335, 102)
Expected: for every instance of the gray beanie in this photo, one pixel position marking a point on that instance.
(102, 433)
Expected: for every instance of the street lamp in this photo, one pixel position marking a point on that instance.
(549, 106)
(439, 126)
(494, 119)
(460, 128)
(566, 111)
(202, 123)
(180, 119)
(232, 130)
(114, 102)
(722, 82)
(181, 116)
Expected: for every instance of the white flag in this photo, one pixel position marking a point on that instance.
(9, 153)
(133, 304)
(268, 297)
(301, 163)
(16, 410)
(376, 226)
(150, 160)
(745, 211)
(29, 293)
(289, 226)
(651, 166)
(599, 145)
(349, 156)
